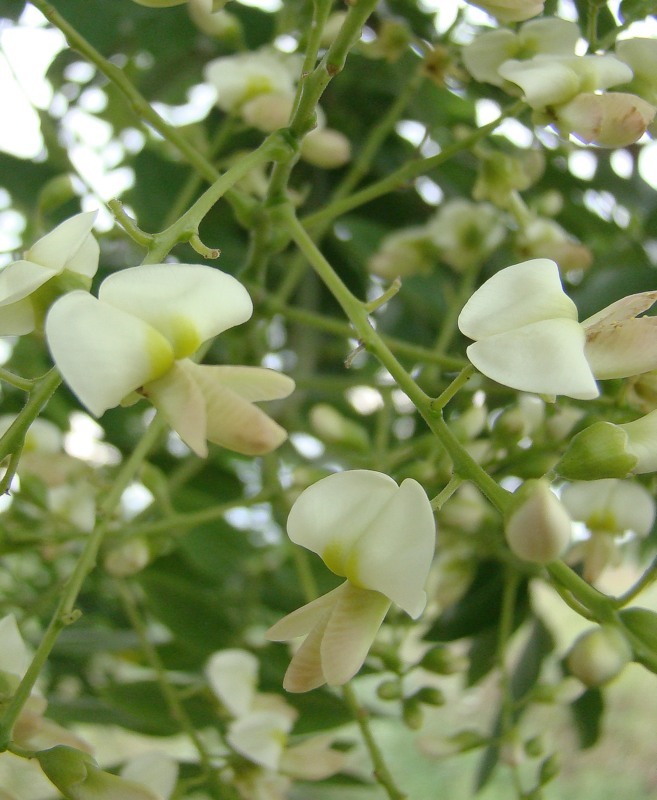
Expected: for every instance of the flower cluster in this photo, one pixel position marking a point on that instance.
(259, 87)
(381, 538)
(567, 90)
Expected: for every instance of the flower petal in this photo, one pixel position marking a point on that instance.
(187, 303)
(254, 384)
(544, 81)
(20, 279)
(514, 297)
(17, 319)
(624, 349)
(14, 657)
(330, 516)
(304, 619)
(232, 421)
(545, 357)
(625, 308)
(260, 737)
(177, 395)
(233, 677)
(102, 352)
(394, 554)
(350, 631)
(68, 246)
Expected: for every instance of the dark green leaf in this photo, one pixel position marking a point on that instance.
(587, 713)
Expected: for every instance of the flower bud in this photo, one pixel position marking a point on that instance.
(127, 559)
(413, 714)
(268, 112)
(599, 451)
(389, 690)
(78, 777)
(430, 696)
(326, 148)
(443, 661)
(333, 427)
(511, 10)
(599, 655)
(538, 528)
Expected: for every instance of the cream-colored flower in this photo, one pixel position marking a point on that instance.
(526, 332)
(136, 340)
(466, 233)
(548, 36)
(612, 119)
(511, 10)
(377, 535)
(64, 259)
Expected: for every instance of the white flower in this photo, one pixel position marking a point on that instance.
(611, 505)
(240, 78)
(641, 56)
(553, 80)
(233, 677)
(539, 527)
(67, 256)
(613, 119)
(155, 770)
(136, 338)
(326, 148)
(466, 233)
(547, 36)
(511, 10)
(377, 535)
(260, 736)
(526, 332)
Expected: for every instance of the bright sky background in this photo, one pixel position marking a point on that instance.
(27, 50)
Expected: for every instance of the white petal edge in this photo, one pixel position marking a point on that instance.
(57, 248)
(103, 353)
(516, 296)
(545, 358)
(233, 676)
(187, 303)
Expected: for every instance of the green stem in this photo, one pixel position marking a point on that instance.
(42, 390)
(455, 386)
(175, 706)
(65, 613)
(443, 496)
(600, 606)
(24, 384)
(381, 771)
(647, 579)
(406, 173)
(274, 147)
(356, 311)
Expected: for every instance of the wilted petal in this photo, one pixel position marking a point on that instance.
(613, 119)
(102, 352)
(260, 737)
(233, 676)
(69, 246)
(514, 297)
(187, 303)
(617, 345)
(545, 357)
(232, 421)
(20, 279)
(177, 395)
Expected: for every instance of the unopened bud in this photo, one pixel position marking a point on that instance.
(430, 696)
(389, 690)
(333, 427)
(412, 714)
(538, 529)
(599, 451)
(128, 559)
(599, 655)
(443, 661)
(326, 148)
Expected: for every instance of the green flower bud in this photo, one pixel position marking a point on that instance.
(389, 690)
(599, 655)
(430, 696)
(599, 451)
(443, 661)
(412, 714)
(333, 427)
(534, 747)
(78, 777)
(538, 528)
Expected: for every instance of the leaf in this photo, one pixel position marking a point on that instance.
(479, 608)
(587, 713)
(528, 667)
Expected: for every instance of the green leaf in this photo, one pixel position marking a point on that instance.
(587, 713)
